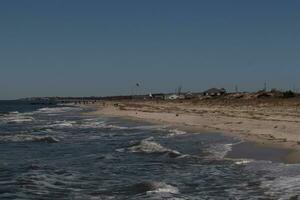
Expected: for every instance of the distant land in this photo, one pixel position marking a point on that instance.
(213, 93)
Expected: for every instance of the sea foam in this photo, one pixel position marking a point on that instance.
(29, 138)
(219, 151)
(16, 117)
(149, 146)
(152, 187)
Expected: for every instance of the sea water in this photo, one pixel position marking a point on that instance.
(58, 153)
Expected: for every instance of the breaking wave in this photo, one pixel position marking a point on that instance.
(243, 161)
(87, 153)
(57, 110)
(285, 181)
(16, 117)
(111, 126)
(100, 123)
(154, 187)
(175, 132)
(283, 187)
(40, 180)
(29, 138)
(62, 124)
(149, 146)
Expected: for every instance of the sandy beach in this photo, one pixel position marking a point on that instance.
(275, 123)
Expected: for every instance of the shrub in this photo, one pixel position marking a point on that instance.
(288, 94)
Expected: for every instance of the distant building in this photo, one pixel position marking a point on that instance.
(214, 92)
(159, 96)
(189, 95)
(192, 95)
(174, 97)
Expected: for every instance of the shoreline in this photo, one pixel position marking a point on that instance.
(245, 128)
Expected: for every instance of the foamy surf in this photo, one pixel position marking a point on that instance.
(29, 138)
(41, 180)
(149, 146)
(96, 158)
(16, 117)
(280, 181)
(283, 187)
(103, 125)
(62, 124)
(160, 187)
(219, 151)
(152, 187)
(243, 161)
(58, 110)
(175, 132)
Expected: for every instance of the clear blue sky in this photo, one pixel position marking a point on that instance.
(91, 47)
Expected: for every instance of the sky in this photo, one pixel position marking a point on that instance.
(99, 48)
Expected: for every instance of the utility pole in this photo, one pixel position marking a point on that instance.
(179, 90)
(265, 86)
(294, 88)
(236, 88)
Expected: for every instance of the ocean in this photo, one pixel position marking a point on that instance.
(58, 153)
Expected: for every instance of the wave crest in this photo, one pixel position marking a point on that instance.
(57, 110)
(149, 146)
(154, 187)
(29, 138)
(16, 117)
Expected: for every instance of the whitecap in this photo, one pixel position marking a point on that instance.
(176, 132)
(100, 124)
(243, 161)
(44, 179)
(54, 110)
(20, 119)
(62, 124)
(283, 187)
(29, 138)
(149, 146)
(16, 117)
(152, 187)
(151, 127)
(160, 187)
(111, 126)
(280, 181)
(14, 112)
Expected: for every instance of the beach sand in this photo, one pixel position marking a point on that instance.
(275, 124)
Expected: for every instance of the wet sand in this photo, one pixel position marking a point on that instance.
(255, 151)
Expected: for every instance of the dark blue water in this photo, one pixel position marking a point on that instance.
(58, 153)
(20, 106)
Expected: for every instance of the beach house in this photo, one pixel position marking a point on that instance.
(214, 92)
